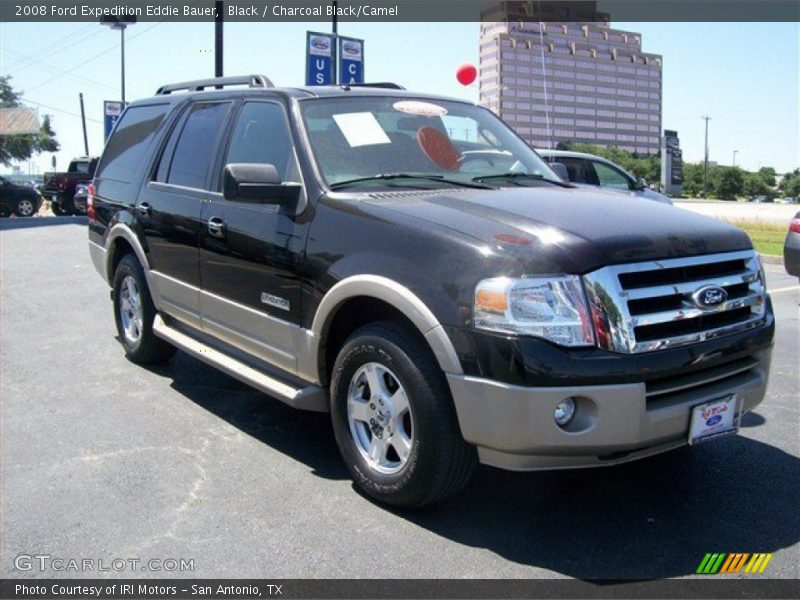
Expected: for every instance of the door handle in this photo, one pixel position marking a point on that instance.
(144, 209)
(216, 227)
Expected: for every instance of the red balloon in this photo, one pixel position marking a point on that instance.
(466, 73)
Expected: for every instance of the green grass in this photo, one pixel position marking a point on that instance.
(767, 237)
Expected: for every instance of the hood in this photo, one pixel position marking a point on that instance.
(569, 230)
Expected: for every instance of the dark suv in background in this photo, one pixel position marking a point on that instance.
(408, 264)
(19, 200)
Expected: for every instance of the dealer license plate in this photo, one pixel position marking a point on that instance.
(713, 419)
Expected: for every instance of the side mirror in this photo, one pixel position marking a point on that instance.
(560, 169)
(640, 184)
(257, 183)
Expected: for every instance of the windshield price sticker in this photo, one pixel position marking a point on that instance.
(361, 129)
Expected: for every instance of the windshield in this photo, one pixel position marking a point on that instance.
(388, 141)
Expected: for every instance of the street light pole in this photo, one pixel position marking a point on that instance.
(120, 23)
(705, 160)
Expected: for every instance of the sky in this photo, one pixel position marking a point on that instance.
(746, 76)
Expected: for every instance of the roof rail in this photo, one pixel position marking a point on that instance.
(377, 84)
(253, 81)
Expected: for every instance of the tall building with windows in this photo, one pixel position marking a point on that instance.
(574, 80)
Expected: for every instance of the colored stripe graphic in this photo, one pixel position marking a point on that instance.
(758, 563)
(711, 563)
(734, 562)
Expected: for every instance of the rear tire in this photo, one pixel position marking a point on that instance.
(134, 312)
(56, 208)
(401, 441)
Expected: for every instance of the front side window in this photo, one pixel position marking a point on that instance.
(611, 177)
(262, 136)
(356, 138)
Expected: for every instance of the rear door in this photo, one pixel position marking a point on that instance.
(170, 205)
(251, 254)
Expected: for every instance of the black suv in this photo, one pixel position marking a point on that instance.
(407, 263)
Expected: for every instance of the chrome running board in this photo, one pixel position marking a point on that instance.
(312, 397)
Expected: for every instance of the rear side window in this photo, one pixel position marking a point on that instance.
(197, 145)
(126, 149)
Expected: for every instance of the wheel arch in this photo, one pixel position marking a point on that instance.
(370, 298)
(122, 240)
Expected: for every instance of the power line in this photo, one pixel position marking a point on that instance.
(76, 77)
(47, 47)
(95, 57)
(66, 112)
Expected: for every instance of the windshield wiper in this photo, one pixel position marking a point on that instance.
(424, 176)
(520, 175)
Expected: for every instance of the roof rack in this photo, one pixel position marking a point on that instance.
(253, 81)
(378, 84)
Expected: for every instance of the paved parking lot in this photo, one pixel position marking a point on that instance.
(101, 459)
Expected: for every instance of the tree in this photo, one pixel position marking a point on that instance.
(727, 182)
(692, 180)
(22, 146)
(768, 175)
(790, 184)
(755, 185)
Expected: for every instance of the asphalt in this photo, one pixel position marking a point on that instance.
(102, 459)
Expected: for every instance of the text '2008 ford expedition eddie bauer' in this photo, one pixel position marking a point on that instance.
(410, 265)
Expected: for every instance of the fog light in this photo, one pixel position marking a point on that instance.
(564, 412)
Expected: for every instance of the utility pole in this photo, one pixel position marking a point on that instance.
(705, 160)
(83, 122)
(335, 31)
(218, 39)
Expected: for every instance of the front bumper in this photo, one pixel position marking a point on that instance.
(513, 426)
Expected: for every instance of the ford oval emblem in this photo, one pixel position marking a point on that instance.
(713, 420)
(709, 296)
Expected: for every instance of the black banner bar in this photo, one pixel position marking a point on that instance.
(245, 589)
(401, 10)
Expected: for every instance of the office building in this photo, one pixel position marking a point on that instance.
(577, 80)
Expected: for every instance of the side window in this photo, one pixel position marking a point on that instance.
(262, 136)
(126, 148)
(579, 170)
(611, 177)
(196, 145)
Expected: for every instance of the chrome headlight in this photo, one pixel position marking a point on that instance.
(553, 308)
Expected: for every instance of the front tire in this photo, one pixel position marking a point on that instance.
(25, 207)
(394, 420)
(134, 312)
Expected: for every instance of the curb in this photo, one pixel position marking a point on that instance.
(770, 259)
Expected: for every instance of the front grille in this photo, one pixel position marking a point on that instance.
(641, 307)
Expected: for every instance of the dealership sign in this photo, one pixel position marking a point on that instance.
(111, 113)
(320, 56)
(351, 60)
